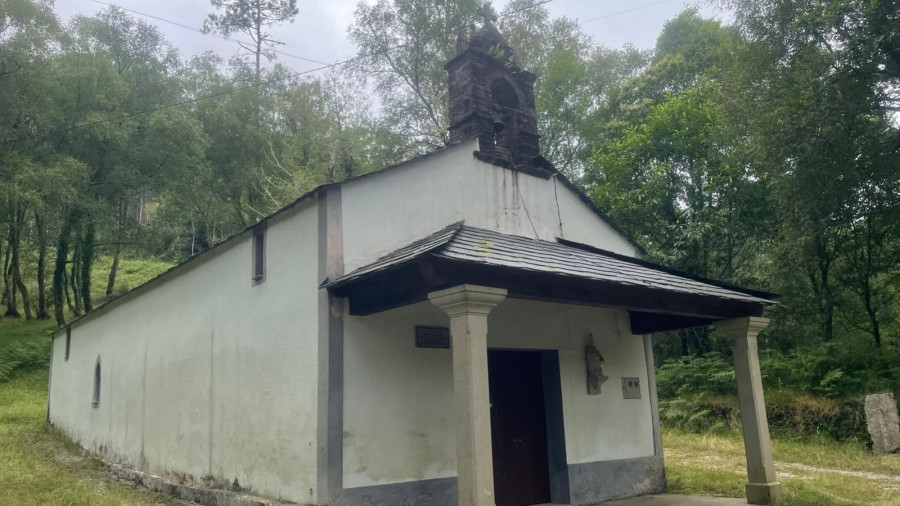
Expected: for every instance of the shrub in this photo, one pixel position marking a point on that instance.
(710, 374)
(789, 413)
(20, 356)
(817, 391)
(700, 413)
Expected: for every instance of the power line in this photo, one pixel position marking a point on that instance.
(202, 32)
(297, 74)
(261, 83)
(626, 11)
(235, 90)
(520, 9)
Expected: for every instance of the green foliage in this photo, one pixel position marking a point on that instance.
(813, 392)
(23, 347)
(708, 374)
(22, 356)
(790, 415)
(699, 414)
(254, 18)
(834, 370)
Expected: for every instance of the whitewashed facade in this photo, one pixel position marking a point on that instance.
(284, 361)
(206, 374)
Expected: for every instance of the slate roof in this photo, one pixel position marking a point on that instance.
(458, 242)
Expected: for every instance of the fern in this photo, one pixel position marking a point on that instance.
(21, 356)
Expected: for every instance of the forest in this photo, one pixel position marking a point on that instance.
(762, 151)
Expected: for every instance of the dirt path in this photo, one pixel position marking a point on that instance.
(736, 464)
(858, 474)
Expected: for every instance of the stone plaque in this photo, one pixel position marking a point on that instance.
(432, 337)
(883, 422)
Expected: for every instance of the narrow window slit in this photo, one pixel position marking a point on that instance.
(259, 254)
(96, 397)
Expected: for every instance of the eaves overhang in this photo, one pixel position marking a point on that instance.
(543, 270)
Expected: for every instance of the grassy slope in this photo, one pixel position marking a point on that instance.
(38, 467)
(715, 464)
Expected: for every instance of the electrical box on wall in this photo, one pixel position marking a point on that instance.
(631, 388)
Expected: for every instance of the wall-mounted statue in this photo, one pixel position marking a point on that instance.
(594, 361)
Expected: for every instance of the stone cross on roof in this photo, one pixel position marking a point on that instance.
(487, 12)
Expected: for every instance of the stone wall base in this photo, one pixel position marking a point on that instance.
(589, 483)
(205, 496)
(595, 482)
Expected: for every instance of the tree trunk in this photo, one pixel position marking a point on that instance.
(828, 306)
(87, 260)
(15, 242)
(67, 291)
(26, 302)
(42, 312)
(12, 306)
(75, 276)
(872, 312)
(1, 301)
(59, 270)
(111, 281)
(876, 330)
(193, 236)
(4, 299)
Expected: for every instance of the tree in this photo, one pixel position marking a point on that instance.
(404, 45)
(821, 98)
(670, 163)
(574, 78)
(254, 18)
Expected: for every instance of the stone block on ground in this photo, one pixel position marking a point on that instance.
(883, 422)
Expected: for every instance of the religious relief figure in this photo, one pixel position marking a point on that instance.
(595, 376)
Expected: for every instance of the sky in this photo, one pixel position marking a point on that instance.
(320, 30)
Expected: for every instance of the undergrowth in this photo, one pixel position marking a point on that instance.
(25, 346)
(811, 392)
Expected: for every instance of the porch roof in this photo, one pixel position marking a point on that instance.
(561, 271)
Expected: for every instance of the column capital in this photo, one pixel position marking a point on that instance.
(463, 299)
(747, 326)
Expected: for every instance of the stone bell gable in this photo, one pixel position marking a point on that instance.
(492, 98)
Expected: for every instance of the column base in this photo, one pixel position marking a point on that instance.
(764, 493)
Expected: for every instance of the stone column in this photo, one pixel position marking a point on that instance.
(762, 487)
(468, 307)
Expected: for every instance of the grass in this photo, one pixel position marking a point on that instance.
(714, 464)
(38, 467)
(24, 346)
(131, 273)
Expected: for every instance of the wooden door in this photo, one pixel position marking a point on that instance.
(518, 428)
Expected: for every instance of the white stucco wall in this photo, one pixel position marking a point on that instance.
(398, 399)
(206, 374)
(389, 210)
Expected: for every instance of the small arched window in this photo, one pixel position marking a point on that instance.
(96, 398)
